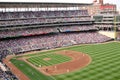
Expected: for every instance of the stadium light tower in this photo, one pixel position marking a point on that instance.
(115, 21)
(115, 28)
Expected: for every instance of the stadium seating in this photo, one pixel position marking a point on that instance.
(77, 28)
(26, 32)
(43, 30)
(5, 73)
(50, 41)
(18, 40)
(41, 14)
(107, 26)
(41, 20)
(119, 27)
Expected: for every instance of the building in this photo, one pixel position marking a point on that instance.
(99, 7)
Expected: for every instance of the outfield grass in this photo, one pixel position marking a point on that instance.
(54, 59)
(105, 64)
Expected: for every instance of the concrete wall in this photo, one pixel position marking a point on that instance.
(108, 33)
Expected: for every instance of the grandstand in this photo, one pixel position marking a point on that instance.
(24, 31)
(46, 30)
(108, 21)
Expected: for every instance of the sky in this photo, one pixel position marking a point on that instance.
(117, 2)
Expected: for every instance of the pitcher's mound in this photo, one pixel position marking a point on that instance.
(47, 59)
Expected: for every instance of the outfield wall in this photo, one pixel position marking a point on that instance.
(110, 34)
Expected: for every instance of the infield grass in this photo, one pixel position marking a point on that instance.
(54, 59)
(105, 64)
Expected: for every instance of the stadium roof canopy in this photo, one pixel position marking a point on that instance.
(38, 4)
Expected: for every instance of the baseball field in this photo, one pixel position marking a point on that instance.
(84, 62)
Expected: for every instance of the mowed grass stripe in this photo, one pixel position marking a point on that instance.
(104, 66)
(105, 54)
(54, 59)
(39, 62)
(58, 59)
(94, 72)
(32, 73)
(98, 50)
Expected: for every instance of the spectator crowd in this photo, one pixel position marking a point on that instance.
(33, 38)
(49, 41)
(40, 17)
(5, 73)
(43, 30)
(42, 20)
(42, 14)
